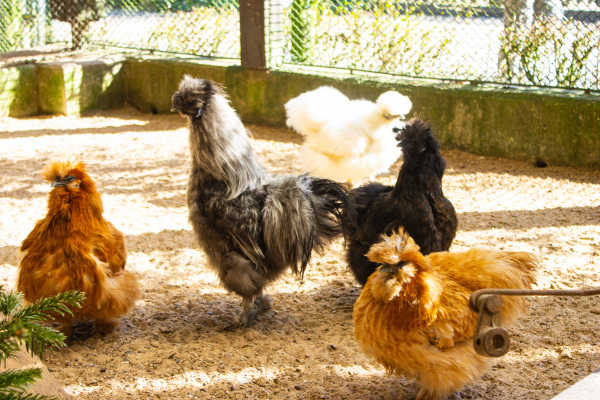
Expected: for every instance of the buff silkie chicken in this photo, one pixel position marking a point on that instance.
(251, 224)
(75, 248)
(413, 315)
(346, 140)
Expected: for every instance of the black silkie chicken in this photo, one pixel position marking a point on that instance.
(416, 202)
(251, 225)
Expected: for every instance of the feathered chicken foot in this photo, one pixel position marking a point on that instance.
(79, 331)
(426, 395)
(105, 326)
(252, 307)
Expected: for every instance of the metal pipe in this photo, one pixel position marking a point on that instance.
(530, 292)
(490, 338)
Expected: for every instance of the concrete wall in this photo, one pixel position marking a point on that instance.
(562, 127)
(62, 87)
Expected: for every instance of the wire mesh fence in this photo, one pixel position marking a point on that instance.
(200, 27)
(552, 43)
(531, 42)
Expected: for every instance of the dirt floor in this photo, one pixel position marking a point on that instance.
(173, 346)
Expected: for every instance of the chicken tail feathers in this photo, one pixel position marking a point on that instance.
(289, 223)
(336, 210)
(301, 214)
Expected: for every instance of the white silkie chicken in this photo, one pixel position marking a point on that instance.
(347, 140)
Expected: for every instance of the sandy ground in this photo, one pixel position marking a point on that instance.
(172, 345)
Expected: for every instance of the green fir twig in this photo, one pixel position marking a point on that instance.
(23, 324)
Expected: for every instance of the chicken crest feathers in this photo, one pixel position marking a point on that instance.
(394, 104)
(416, 136)
(64, 167)
(409, 277)
(190, 88)
(392, 248)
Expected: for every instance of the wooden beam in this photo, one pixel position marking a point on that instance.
(252, 34)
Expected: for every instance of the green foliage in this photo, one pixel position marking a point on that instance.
(374, 35)
(19, 380)
(10, 21)
(550, 52)
(22, 324)
(205, 30)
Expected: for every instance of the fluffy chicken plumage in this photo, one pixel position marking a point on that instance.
(75, 248)
(413, 315)
(346, 140)
(416, 202)
(251, 225)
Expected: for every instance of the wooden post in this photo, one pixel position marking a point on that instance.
(252, 34)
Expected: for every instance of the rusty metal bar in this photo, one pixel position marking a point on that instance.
(530, 292)
(490, 338)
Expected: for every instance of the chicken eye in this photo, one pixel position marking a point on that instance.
(387, 268)
(70, 178)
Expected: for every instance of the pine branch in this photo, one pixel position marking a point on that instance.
(8, 346)
(9, 302)
(37, 312)
(15, 395)
(25, 322)
(19, 379)
(40, 337)
(18, 323)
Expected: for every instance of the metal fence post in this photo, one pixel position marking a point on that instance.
(41, 21)
(275, 40)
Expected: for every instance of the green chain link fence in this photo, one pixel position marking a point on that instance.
(554, 43)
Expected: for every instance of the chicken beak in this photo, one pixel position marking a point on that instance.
(388, 269)
(58, 183)
(175, 108)
(393, 117)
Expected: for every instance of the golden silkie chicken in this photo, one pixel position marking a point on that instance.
(75, 248)
(413, 316)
